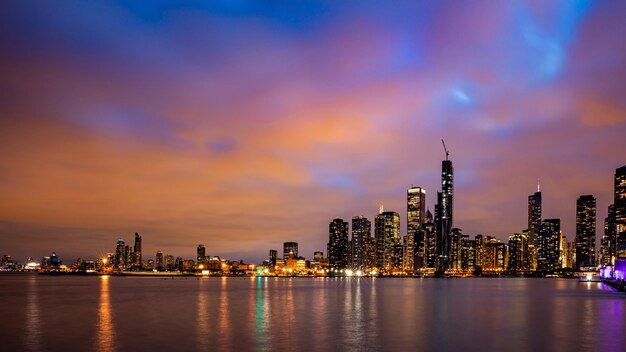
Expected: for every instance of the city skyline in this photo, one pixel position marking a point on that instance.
(305, 114)
(353, 246)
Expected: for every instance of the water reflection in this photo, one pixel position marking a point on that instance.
(203, 318)
(33, 323)
(106, 331)
(261, 319)
(223, 324)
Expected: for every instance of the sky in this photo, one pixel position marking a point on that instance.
(244, 124)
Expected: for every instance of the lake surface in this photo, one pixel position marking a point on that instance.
(69, 313)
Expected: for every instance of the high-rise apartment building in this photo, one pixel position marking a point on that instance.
(534, 215)
(444, 215)
(290, 250)
(387, 233)
(201, 254)
(548, 245)
(361, 231)
(137, 251)
(338, 251)
(619, 205)
(585, 231)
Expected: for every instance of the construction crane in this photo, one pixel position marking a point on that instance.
(445, 149)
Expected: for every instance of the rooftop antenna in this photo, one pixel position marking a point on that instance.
(381, 210)
(538, 188)
(445, 149)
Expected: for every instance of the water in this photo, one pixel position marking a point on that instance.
(68, 313)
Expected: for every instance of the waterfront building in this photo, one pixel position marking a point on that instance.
(619, 204)
(608, 243)
(201, 254)
(430, 236)
(120, 254)
(534, 215)
(396, 265)
(338, 251)
(455, 249)
(468, 254)
(273, 257)
(585, 231)
(290, 249)
(318, 256)
(387, 233)
(158, 262)
(408, 259)
(54, 260)
(137, 251)
(169, 262)
(548, 253)
(415, 218)
(370, 253)
(481, 242)
(444, 215)
(361, 231)
(495, 258)
(518, 252)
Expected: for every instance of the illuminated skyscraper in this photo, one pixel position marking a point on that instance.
(548, 246)
(137, 251)
(273, 257)
(338, 251)
(414, 239)
(468, 254)
(54, 260)
(361, 231)
(409, 249)
(619, 204)
(201, 251)
(290, 249)
(430, 236)
(518, 252)
(455, 249)
(585, 231)
(444, 215)
(387, 233)
(607, 244)
(534, 215)
(120, 254)
(158, 262)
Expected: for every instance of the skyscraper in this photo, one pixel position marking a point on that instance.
(430, 246)
(387, 233)
(534, 215)
(137, 250)
(361, 231)
(548, 246)
(290, 249)
(338, 252)
(415, 209)
(444, 214)
(273, 257)
(607, 244)
(455, 249)
(415, 213)
(619, 204)
(201, 252)
(585, 231)
(518, 252)
(468, 254)
(120, 254)
(158, 262)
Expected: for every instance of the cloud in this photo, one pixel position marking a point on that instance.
(200, 125)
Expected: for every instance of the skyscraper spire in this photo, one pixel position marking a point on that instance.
(538, 187)
(381, 209)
